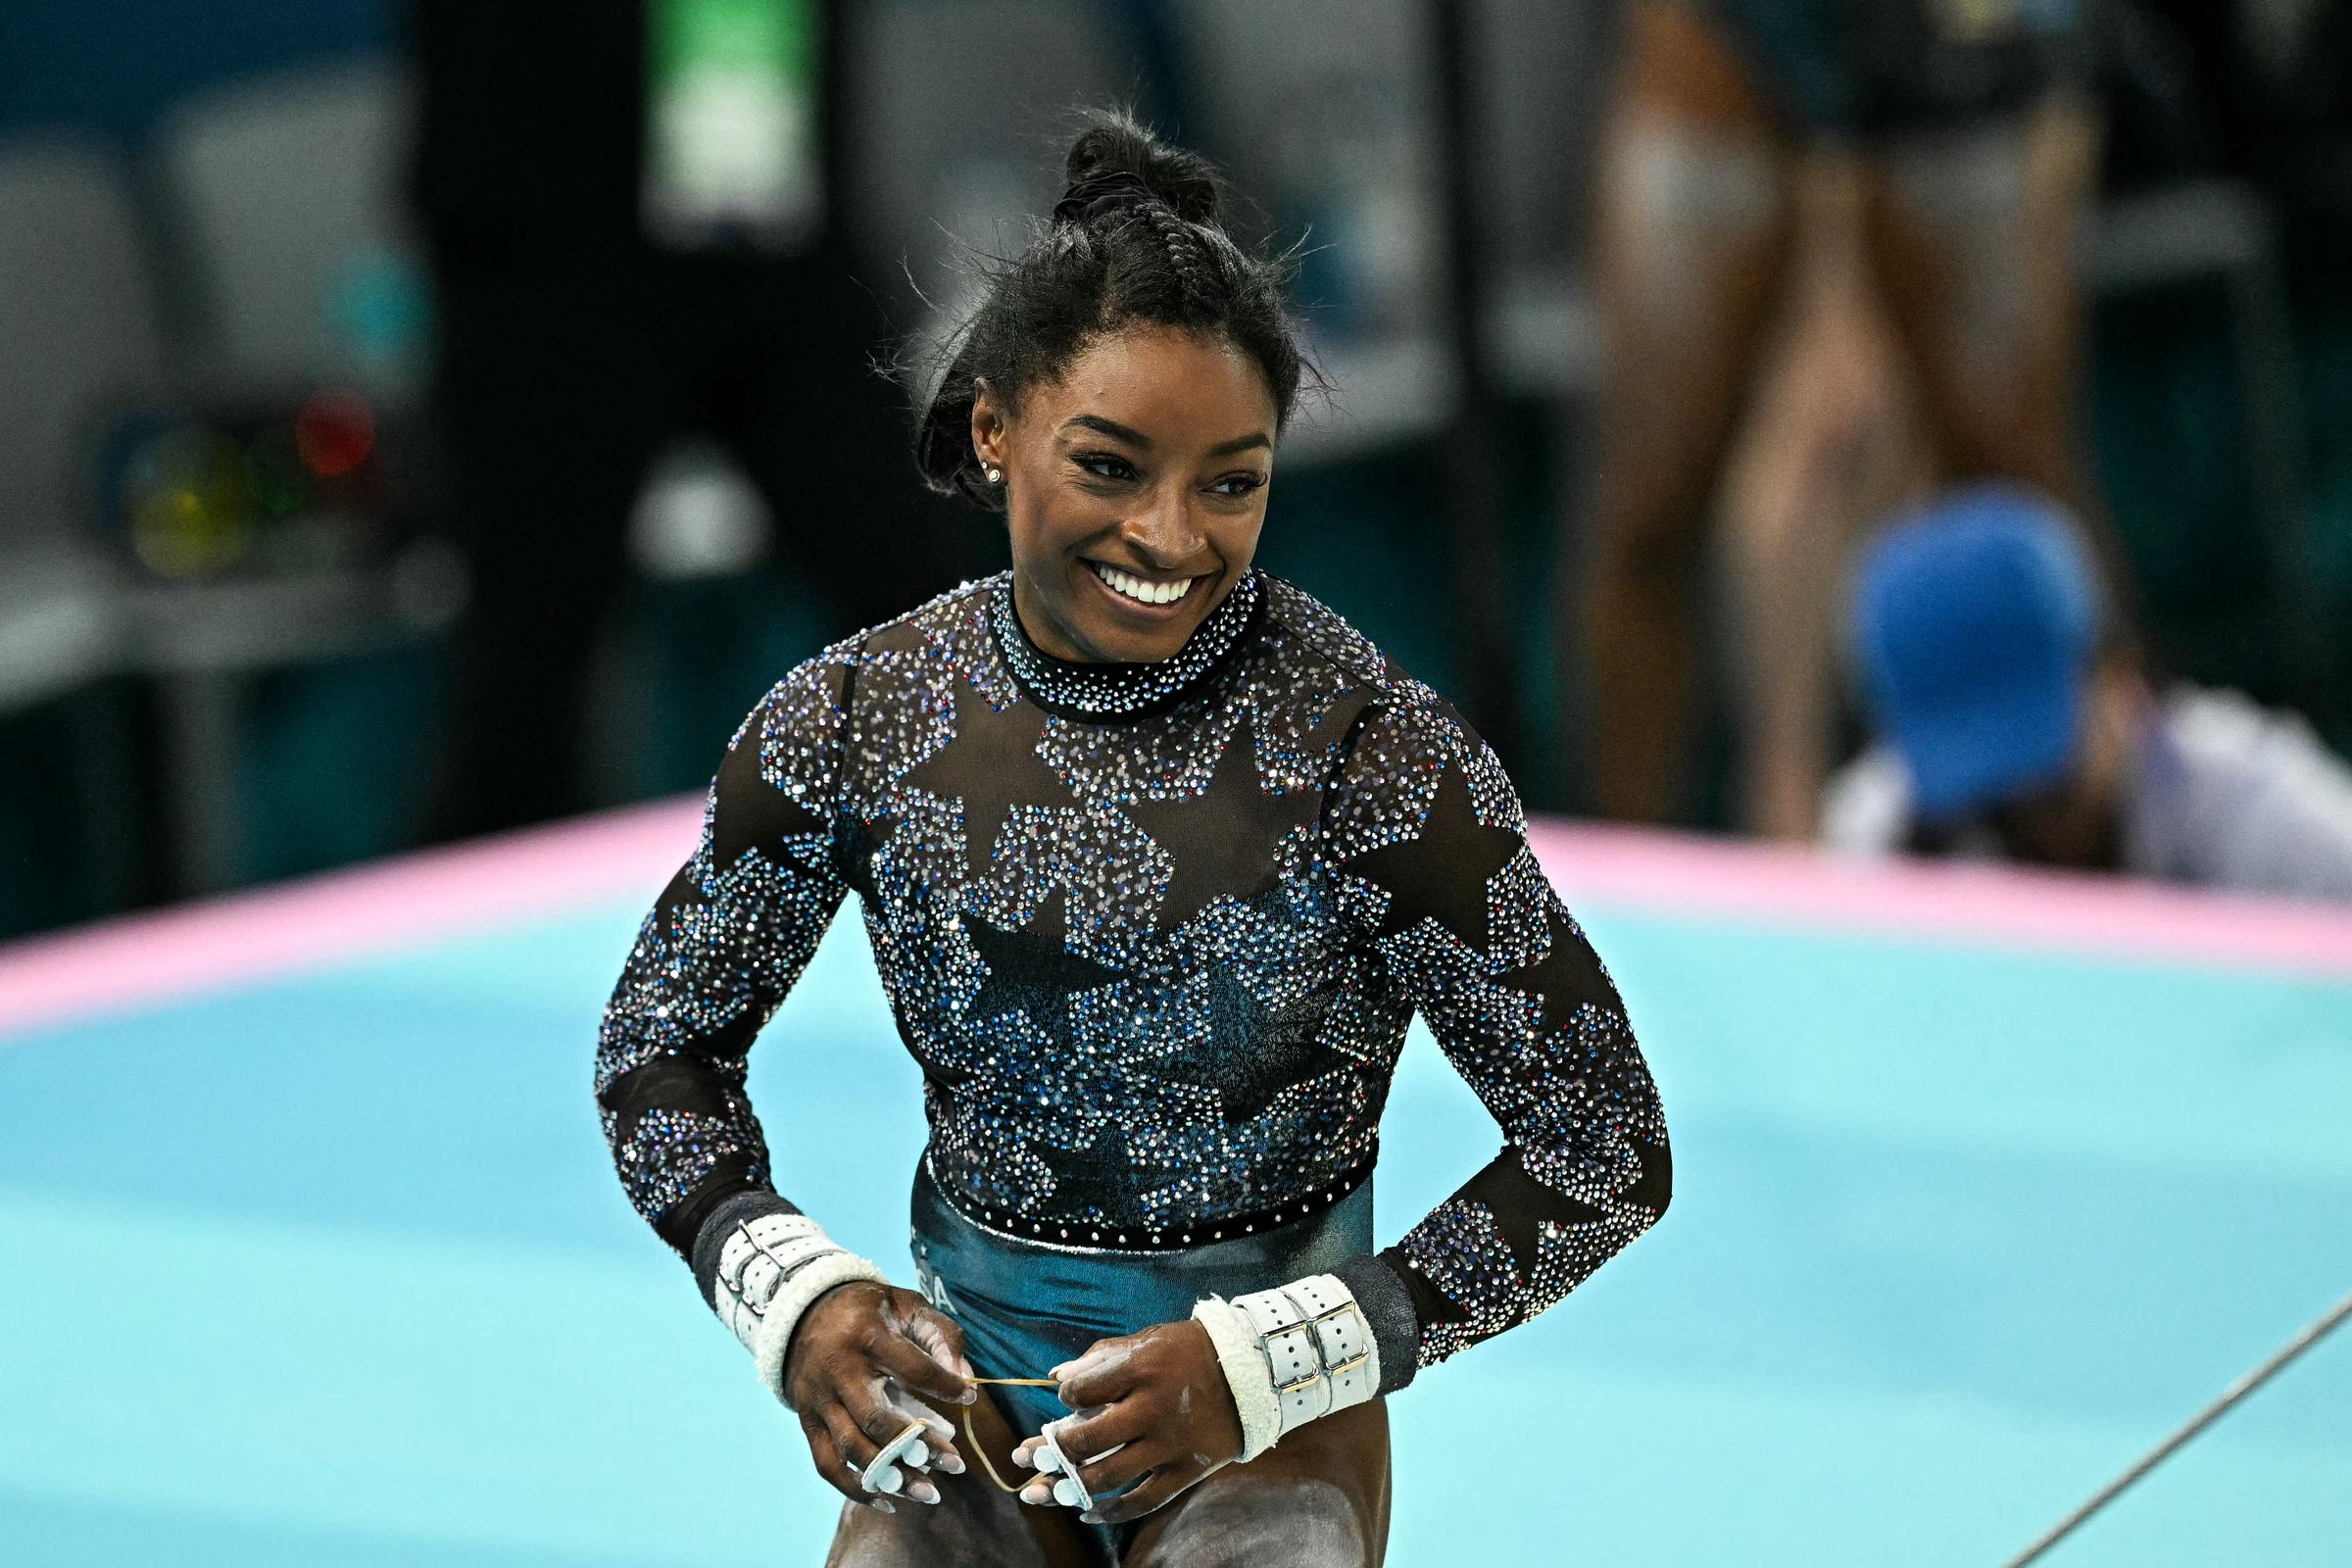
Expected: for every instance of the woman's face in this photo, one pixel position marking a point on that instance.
(1135, 489)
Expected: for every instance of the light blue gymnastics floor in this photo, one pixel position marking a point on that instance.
(332, 1269)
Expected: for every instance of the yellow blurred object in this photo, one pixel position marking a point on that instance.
(190, 511)
(177, 535)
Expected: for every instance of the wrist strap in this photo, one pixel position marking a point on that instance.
(772, 1269)
(1291, 1355)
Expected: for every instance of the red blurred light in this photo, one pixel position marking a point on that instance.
(334, 432)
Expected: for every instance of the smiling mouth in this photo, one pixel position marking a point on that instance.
(1129, 586)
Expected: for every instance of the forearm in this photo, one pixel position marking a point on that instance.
(1525, 1231)
(694, 1161)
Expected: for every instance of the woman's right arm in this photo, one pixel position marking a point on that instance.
(713, 959)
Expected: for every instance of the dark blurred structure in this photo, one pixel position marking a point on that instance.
(640, 220)
(2228, 327)
(204, 414)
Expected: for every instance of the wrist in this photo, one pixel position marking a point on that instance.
(771, 1270)
(1291, 1355)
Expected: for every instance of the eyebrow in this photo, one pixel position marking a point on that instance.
(1136, 438)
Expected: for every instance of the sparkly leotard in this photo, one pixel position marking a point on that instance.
(1154, 934)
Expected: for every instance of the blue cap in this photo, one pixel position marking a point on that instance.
(1975, 621)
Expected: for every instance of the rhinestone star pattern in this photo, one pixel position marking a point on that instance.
(668, 1154)
(1154, 934)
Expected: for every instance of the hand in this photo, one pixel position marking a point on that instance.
(864, 1359)
(1154, 1405)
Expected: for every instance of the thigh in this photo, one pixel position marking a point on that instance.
(1972, 233)
(1830, 444)
(1320, 1500)
(975, 1524)
(1690, 247)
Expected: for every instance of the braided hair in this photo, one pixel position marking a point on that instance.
(1137, 239)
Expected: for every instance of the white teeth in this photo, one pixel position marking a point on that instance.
(1135, 588)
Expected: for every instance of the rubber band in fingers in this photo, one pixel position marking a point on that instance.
(907, 1449)
(1068, 1490)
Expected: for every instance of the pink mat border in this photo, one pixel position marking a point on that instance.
(427, 897)
(1991, 905)
(628, 855)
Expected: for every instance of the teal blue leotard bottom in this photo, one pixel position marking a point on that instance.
(1027, 1306)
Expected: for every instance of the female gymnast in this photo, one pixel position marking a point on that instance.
(1158, 856)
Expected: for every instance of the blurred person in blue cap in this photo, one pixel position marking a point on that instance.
(2013, 722)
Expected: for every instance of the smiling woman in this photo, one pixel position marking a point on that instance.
(1158, 856)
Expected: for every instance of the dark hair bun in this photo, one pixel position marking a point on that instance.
(1113, 143)
(1137, 240)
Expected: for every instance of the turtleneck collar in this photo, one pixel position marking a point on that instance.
(1098, 692)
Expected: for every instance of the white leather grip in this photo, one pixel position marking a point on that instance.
(771, 1270)
(1313, 1355)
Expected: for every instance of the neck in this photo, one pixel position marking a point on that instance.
(1096, 689)
(1046, 634)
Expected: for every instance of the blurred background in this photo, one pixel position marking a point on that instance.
(420, 421)
(1920, 428)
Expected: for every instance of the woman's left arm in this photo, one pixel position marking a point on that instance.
(1474, 936)
(1430, 848)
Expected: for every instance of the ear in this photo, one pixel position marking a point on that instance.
(991, 439)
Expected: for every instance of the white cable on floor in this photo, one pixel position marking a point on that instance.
(2204, 1418)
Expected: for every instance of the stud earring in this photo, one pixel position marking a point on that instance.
(996, 476)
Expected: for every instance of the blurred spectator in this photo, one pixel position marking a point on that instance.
(639, 227)
(2014, 725)
(1967, 154)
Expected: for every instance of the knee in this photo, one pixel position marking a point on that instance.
(2029, 452)
(1649, 545)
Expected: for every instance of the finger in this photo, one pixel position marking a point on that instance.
(851, 1445)
(877, 1421)
(1108, 1472)
(1095, 1430)
(1042, 1454)
(936, 1448)
(1107, 1370)
(883, 1478)
(1159, 1489)
(825, 1452)
(942, 1339)
(1117, 1449)
(919, 1372)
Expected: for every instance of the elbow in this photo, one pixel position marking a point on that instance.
(1655, 1190)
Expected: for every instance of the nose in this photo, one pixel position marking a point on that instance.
(1163, 531)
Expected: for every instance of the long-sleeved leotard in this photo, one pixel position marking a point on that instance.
(1154, 934)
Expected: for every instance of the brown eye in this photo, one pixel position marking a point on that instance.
(1105, 465)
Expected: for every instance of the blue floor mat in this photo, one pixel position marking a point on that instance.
(333, 1269)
